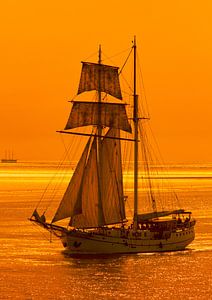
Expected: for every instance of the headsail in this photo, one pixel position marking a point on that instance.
(70, 205)
(81, 199)
(113, 115)
(89, 194)
(94, 75)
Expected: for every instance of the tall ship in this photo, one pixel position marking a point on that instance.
(94, 203)
(9, 157)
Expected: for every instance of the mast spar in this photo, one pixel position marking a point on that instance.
(99, 133)
(135, 120)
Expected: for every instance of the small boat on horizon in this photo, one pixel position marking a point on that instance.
(94, 201)
(9, 157)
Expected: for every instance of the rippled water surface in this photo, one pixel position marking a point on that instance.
(32, 267)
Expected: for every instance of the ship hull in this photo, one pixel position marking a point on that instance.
(79, 243)
(4, 160)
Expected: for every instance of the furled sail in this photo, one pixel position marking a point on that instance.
(113, 115)
(70, 204)
(89, 195)
(98, 76)
(111, 179)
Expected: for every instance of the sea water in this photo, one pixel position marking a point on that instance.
(33, 265)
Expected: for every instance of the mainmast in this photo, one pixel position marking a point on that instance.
(135, 120)
(99, 127)
(99, 133)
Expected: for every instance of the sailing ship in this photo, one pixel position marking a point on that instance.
(8, 158)
(94, 201)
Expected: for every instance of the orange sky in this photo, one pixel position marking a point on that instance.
(43, 42)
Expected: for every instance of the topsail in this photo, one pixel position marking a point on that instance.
(86, 113)
(94, 76)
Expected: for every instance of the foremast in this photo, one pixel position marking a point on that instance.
(94, 196)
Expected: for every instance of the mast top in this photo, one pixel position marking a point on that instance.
(100, 54)
(134, 41)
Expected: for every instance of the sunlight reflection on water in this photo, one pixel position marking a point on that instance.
(34, 268)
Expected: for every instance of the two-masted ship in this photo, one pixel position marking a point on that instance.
(94, 201)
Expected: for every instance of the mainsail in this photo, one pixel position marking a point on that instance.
(95, 75)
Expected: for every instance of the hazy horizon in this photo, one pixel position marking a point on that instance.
(43, 44)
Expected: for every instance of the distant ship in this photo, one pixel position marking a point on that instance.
(8, 158)
(94, 202)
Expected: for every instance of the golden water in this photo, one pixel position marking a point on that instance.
(33, 268)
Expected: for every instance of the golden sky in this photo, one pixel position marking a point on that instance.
(43, 43)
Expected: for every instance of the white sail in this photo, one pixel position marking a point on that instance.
(70, 205)
(95, 75)
(89, 194)
(113, 115)
(111, 179)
